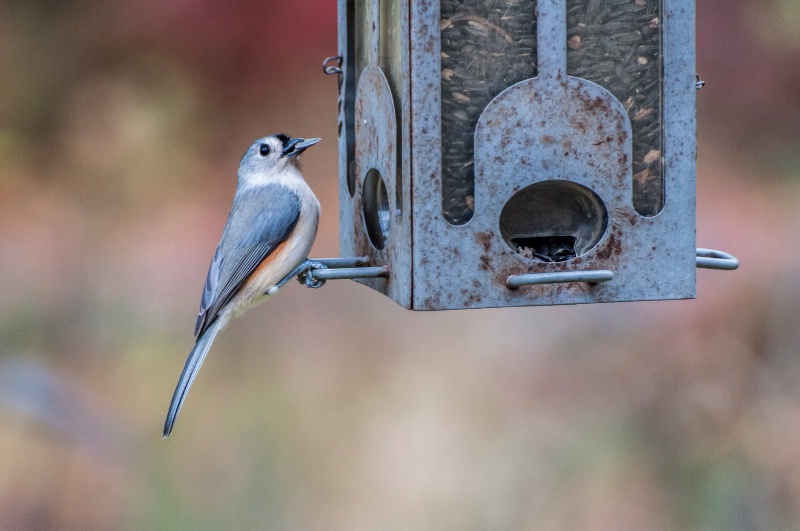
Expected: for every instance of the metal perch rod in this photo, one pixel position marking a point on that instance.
(347, 268)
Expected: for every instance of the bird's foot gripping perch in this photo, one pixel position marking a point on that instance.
(306, 276)
(314, 273)
(302, 273)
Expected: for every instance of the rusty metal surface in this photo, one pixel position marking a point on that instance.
(376, 147)
(567, 129)
(552, 127)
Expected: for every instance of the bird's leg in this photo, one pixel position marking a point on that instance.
(301, 272)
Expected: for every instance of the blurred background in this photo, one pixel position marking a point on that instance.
(121, 129)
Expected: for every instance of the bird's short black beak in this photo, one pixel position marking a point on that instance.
(295, 146)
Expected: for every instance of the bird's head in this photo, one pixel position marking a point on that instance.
(272, 154)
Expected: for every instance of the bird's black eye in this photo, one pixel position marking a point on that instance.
(264, 150)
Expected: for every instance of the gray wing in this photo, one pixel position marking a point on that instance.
(260, 220)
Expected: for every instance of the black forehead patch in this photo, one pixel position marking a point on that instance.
(283, 138)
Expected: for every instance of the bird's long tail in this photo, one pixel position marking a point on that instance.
(193, 364)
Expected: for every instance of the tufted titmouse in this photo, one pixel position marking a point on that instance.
(269, 233)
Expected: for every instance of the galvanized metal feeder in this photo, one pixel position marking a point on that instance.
(515, 152)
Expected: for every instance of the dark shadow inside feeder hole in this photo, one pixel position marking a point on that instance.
(546, 248)
(376, 214)
(553, 221)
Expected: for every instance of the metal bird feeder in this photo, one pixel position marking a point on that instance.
(519, 152)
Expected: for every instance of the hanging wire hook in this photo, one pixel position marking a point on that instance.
(698, 83)
(329, 70)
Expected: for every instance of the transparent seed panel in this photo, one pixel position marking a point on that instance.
(361, 13)
(487, 46)
(391, 63)
(617, 44)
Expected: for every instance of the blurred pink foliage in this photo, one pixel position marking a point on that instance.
(238, 40)
(121, 126)
(750, 75)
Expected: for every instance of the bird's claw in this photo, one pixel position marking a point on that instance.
(306, 277)
(302, 272)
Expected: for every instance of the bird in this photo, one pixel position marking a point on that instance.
(270, 230)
